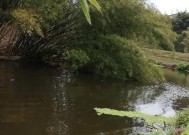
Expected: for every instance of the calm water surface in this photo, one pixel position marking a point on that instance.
(36, 100)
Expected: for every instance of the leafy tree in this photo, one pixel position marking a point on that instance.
(182, 44)
(45, 26)
(134, 20)
(113, 56)
(108, 47)
(180, 21)
(57, 29)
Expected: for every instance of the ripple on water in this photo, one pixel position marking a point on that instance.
(164, 103)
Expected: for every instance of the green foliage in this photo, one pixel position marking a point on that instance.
(186, 131)
(159, 132)
(180, 24)
(15, 12)
(95, 4)
(28, 21)
(85, 8)
(47, 30)
(92, 48)
(183, 118)
(133, 20)
(78, 58)
(111, 42)
(113, 56)
(185, 40)
(180, 21)
(182, 44)
(159, 29)
(167, 123)
(8, 4)
(150, 119)
(182, 67)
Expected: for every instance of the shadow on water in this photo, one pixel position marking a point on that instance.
(36, 100)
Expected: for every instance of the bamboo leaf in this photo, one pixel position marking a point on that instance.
(95, 4)
(85, 8)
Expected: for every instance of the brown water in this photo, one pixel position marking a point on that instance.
(36, 100)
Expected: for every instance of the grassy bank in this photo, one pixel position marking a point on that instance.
(166, 57)
(169, 59)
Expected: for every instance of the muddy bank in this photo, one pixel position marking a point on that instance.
(9, 58)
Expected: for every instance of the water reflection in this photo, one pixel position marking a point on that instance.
(60, 115)
(164, 103)
(179, 78)
(36, 100)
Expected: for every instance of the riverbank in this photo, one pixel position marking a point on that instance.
(168, 59)
(9, 58)
(162, 58)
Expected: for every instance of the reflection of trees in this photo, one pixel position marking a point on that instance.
(177, 78)
(59, 121)
(33, 100)
(161, 99)
(23, 96)
(144, 94)
(87, 92)
(43, 100)
(6, 74)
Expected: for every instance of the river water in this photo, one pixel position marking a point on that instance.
(36, 100)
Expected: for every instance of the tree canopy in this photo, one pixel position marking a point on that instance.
(180, 22)
(58, 30)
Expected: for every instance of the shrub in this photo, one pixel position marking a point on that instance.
(182, 67)
(77, 57)
(183, 118)
(134, 20)
(116, 57)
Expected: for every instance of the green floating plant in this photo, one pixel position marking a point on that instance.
(150, 119)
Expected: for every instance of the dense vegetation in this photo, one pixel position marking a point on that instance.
(180, 21)
(56, 30)
(180, 24)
